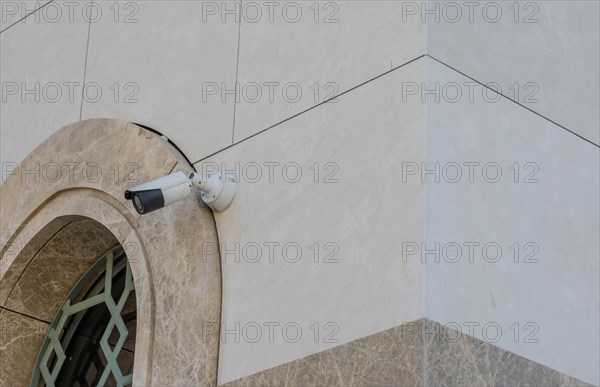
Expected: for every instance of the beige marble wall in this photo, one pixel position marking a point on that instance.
(20, 340)
(392, 357)
(176, 289)
(347, 193)
(419, 353)
(33, 300)
(452, 358)
(57, 267)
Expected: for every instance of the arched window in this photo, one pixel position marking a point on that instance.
(92, 337)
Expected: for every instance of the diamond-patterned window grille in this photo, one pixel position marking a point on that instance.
(95, 303)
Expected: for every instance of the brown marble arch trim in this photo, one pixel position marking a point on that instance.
(413, 354)
(164, 250)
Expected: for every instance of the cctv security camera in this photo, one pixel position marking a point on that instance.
(217, 192)
(160, 192)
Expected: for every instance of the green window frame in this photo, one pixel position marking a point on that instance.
(95, 288)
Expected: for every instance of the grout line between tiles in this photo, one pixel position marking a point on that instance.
(237, 67)
(87, 50)
(310, 108)
(381, 75)
(31, 260)
(512, 100)
(25, 315)
(26, 16)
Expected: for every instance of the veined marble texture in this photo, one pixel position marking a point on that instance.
(419, 353)
(176, 290)
(20, 340)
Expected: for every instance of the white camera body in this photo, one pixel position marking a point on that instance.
(216, 192)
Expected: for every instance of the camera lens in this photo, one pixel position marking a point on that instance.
(148, 201)
(137, 203)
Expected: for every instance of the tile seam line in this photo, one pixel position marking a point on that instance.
(30, 262)
(515, 102)
(85, 64)
(26, 16)
(237, 71)
(381, 75)
(311, 108)
(25, 315)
